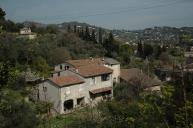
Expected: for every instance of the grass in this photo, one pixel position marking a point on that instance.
(61, 121)
(57, 122)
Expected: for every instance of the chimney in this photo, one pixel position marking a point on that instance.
(103, 59)
(91, 58)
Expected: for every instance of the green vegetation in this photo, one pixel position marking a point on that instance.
(131, 107)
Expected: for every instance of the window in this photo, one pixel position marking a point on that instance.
(66, 67)
(45, 89)
(60, 67)
(105, 77)
(93, 81)
(58, 73)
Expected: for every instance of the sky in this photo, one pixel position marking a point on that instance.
(112, 14)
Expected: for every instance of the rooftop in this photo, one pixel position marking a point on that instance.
(66, 80)
(93, 61)
(136, 76)
(101, 90)
(84, 62)
(111, 61)
(93, 70)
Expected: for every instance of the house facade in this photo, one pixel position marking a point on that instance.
(76, 83)
(27, 33)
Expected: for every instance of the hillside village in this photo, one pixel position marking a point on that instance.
(78, 75)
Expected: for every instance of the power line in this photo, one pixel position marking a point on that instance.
(130, 9)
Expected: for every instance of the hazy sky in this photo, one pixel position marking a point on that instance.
(119, 14)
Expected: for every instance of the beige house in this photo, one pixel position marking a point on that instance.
(76, 83)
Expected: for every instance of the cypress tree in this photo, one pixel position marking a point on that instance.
(75, 28)
(87, 34)
(100, 36)
(140, 49)
(93, 38)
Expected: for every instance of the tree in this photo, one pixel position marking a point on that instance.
(14, 112)
(1, 29)
(40, 65)
(87, 34)
(4, 74)
(75, 29)
(60, 55)
(110, 37)
(69, 28)
(93, 38)
(51, 29)
(125, 52)
(164, 57)
(2, 14)
(100, 36)
(148, 50)
(158, 51)
(140, 49)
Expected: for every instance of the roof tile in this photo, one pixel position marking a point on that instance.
(66, 80)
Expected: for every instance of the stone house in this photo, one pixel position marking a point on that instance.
(76, 83)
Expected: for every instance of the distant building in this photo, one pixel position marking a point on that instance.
(135, 77)
(191, 48)
(27, 33)
(188, 54)
(189, 64)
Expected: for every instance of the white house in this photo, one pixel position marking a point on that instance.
(27, 33)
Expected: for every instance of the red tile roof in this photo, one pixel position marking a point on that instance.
(84, 62)
(93, 70)
(101, 90)
(135, 76)
(66, 80)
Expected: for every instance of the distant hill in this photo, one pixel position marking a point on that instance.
(155, 34)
